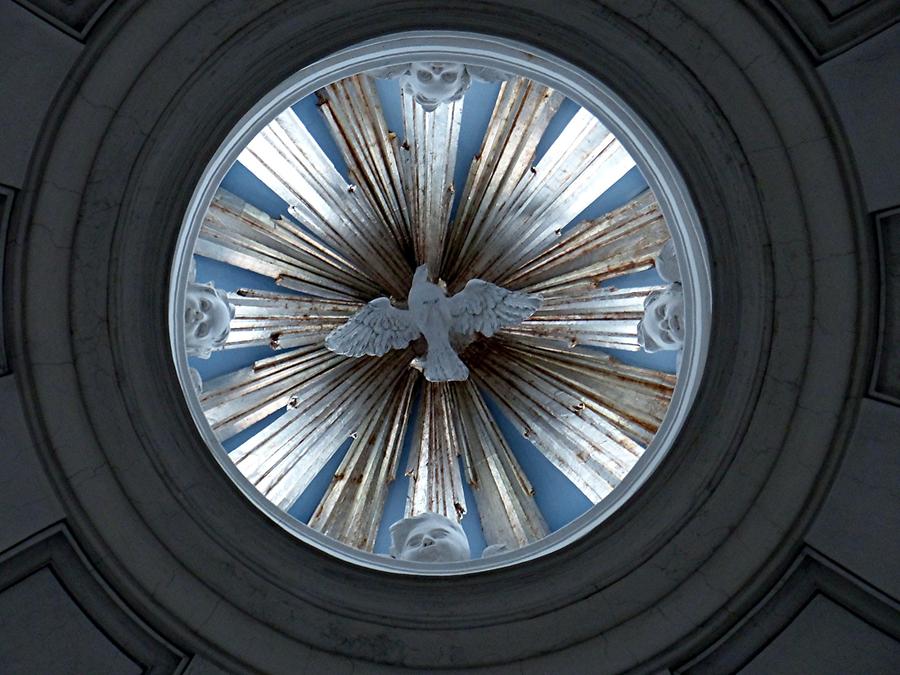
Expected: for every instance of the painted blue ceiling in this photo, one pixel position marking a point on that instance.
(558, 499)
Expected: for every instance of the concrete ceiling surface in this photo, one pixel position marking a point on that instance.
(703, 567)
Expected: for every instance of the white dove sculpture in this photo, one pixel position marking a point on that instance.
(480, 307)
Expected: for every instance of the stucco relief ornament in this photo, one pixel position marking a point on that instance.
(494, 549)
(435, 84)
(480, 307)
(429, 537)
(207, 317)
(662, 327)
(196, 380)
(348, 244)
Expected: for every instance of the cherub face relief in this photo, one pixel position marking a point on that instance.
(429, 537)
(207, 319)
(433, 84)
(663, 324)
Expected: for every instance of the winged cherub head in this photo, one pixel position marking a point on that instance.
(662, 327)
(433, 84)
(207, 317)
(429, 537)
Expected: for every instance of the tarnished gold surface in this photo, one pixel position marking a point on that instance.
(344, 244)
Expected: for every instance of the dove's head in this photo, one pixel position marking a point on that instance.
(421, 274)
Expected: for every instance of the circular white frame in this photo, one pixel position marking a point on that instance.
(657, 167)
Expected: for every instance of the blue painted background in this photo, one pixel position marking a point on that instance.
(558, 500)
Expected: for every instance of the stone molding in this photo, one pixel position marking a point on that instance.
(811, 575)
(886, 373)
(74, 17)
(55, 549)
(703, 540)
(7, 195)
(828, 33)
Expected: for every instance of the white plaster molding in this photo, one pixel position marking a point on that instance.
(663, 324)
(429, 538)
(666, 263)
(207, 319)
(433, 84)
(196, 379)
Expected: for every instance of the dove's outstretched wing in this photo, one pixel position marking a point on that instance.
(483, 307)
(375, 330)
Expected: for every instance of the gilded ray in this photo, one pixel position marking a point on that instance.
(581, 164)
(288, 160)
(282, 459)
(563, 403)
(237, 400)
(598, 317)
(353, 505)
(633, 398)
(521, 114)
(428, 156)
(281, 321)
(239, 234)
(433, 469)
(356, 121)
(621, 242)
(505, 497)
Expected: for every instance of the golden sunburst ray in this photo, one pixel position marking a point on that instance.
(239, 234)
(353, 113)
(433, 468)
(282, 321)
(283, 459)
(581, 164)
(620, 242)
(287, 159)
(505, 498)
(429, 161)
(633, 398)
(521, 114)
(352, 507)
(553, 403)
(238, 400)
(598, 317)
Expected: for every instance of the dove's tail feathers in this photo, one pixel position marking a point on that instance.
(443, 365)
